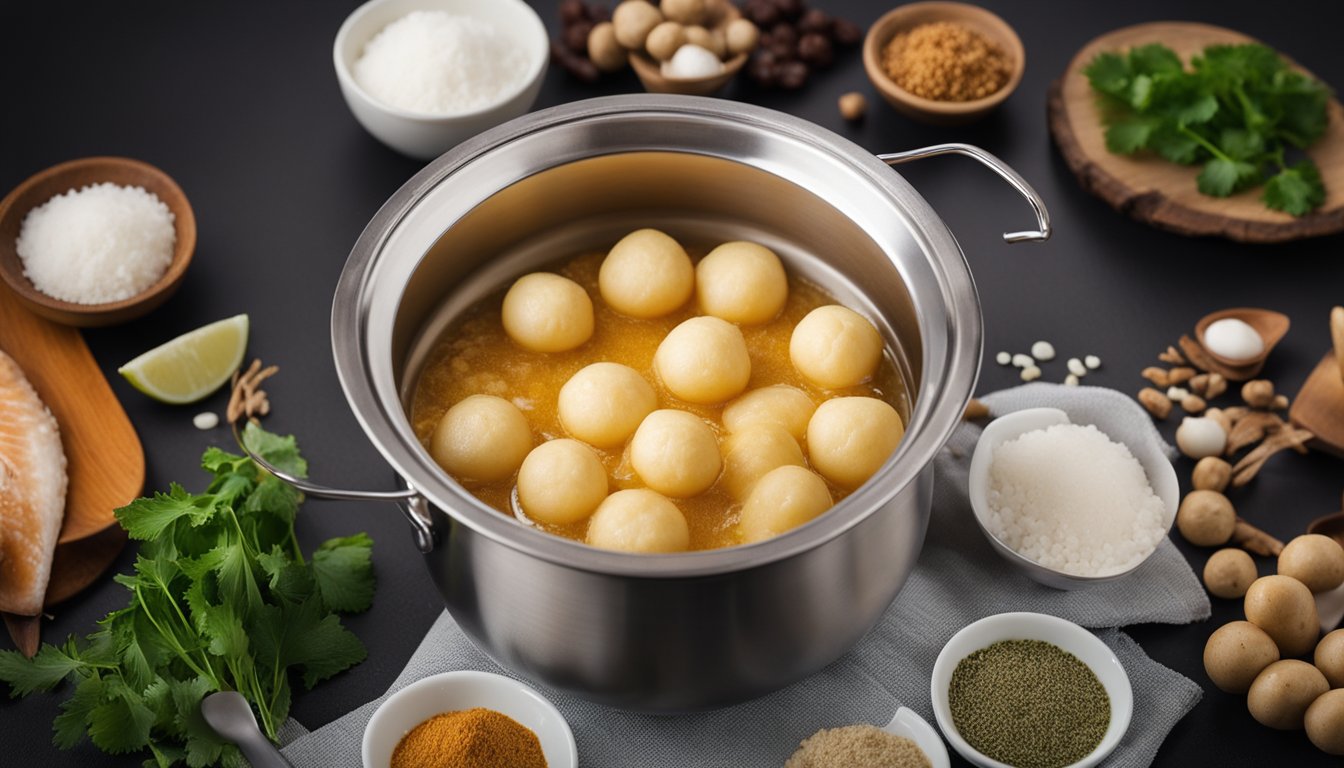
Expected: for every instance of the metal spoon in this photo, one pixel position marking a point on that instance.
(231, 717)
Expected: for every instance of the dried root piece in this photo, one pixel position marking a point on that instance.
(976, 410)
(1280, 403)
(1156, 403)
(1172, 356)
(1196, 355)
(248, 400)
(1193, 404)
(1244, 471)
(1254, 540)
(1217, 386)
(1258, 393)
(1251, 429)
(1158, 376)
(1181, 374)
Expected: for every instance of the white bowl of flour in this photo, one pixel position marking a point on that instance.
(424, 75)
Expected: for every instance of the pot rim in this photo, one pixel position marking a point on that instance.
(936, 412)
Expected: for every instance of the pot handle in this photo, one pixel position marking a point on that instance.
(412, 504)
(1043, 229)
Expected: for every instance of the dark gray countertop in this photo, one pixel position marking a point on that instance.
(238, 102)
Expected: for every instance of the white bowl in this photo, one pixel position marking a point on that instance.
(909, 724)
(422, 135)
(1156, 465)
(1033, 626)
(452, 691)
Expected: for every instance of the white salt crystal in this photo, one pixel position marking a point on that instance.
(96, 245)
(439, 63)
(1071, 499)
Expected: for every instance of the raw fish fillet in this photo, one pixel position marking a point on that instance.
(32, 492)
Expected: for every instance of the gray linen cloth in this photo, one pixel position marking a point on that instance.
(957, 580)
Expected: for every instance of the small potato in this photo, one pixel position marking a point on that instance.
(604, 50)
(646, 274)
(1285, 609)
(545, 312)
(850, 438)
(1229, 573)
(704, 360)
(1281, 694)
(561, 481)
(1206, 518)
(1314, 560)
(1330, 658)
(835, 347)
(750, 454)
(483, 438)
(604, 403)
(675, 453)
(632, 21)
(1325, 722)
(1236, 653)
(785, 498)
(741, 282)
(779, 406)
(639, 520)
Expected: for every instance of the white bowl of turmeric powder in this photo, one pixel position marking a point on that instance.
(423, 76)
(476, 715)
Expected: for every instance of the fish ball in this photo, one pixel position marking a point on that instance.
(561, 481)
(741, 282)
(1314, 560)
(704, 360)
(1284, 608)
(604, 403)
(638, 520)
(545, 312)
(750, 454)
(849, 438)
(1281, 694)
(1325, 722)
(788, 408)
(785, 498)
(676, 453)
(1236, 654)
(646, 274)
(835, 347)
(483, 438)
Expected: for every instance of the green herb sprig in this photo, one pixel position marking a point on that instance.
(1238, 110)
(221, 598)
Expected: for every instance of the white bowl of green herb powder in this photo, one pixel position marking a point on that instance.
(1027, 690)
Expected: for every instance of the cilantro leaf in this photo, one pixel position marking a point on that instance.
(281, 452)
(324, 648)
(69, 727)
(50, 666)
(1297, 190)
(1155, 59)
(1109, 73)
(1125, 137)
(344, 573)
(121, 722)
(148, 518)
(1220, 178)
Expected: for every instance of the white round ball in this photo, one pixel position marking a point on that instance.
(835, 347)
(704, 360)
(1200, 436)
(783, 499)
(647, 274)
(561, 481)
(483, 439)
(604, 403)
(741, 282)
(750, 454)
(545, 312)
(849, 438)
(639, 520)
(788, 408)
(676, 453)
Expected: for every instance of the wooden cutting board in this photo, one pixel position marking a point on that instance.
(1161, 193)
(104, 459)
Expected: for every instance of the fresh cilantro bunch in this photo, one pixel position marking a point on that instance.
(221, 598)
(1238, 111)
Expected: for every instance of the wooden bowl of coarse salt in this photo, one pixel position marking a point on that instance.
(96, 241)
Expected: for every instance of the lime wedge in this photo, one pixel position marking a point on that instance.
(191, 366)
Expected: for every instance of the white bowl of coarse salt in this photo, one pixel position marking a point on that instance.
(423, 76)
(1067, 503)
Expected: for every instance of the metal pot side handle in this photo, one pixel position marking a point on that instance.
(412, 504)
(1038, 235)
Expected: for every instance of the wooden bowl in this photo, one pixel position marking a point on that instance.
(650, 74)
(909, 16)
(77, 174)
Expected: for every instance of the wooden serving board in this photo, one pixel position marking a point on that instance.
(105, 462)
(1162, 193)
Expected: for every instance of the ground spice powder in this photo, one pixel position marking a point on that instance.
(471, 738)
(1029, 704)
(857, 746)
(945, 61)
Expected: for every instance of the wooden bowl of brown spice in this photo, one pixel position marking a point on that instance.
(943, 63)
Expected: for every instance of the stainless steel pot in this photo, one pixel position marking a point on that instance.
(663, 632)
